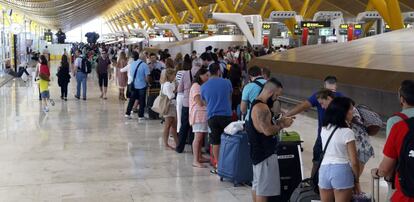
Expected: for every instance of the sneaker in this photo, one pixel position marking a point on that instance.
(52, 102)
(84, 98)
(66, 99)
(77, 97)
(128, 116)
(141, 118)
(46, 109)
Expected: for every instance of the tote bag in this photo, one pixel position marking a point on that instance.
(161, 104)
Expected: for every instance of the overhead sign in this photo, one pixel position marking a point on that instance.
(315, 24)
(343, 26)
(358, 26)
(266, 26)
(343, 29)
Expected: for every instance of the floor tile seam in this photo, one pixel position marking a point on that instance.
(97, 181)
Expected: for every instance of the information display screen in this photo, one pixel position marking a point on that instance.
(266, 26)
(325, 32)
(316, 24)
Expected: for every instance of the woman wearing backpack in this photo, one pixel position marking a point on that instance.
(339, 169)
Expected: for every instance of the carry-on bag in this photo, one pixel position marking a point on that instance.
(235, 163)
(289, 153)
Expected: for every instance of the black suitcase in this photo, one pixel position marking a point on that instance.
(290, 168)
(152, 95)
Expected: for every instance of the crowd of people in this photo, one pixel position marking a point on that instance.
(204, 93)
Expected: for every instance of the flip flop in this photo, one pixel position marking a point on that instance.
(197, 166)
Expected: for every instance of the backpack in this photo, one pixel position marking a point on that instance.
(86, 66)
(405, 165)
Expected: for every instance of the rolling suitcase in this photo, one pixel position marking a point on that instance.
(289, 152)
(235, 163)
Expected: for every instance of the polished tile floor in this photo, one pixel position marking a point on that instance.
(87, 151)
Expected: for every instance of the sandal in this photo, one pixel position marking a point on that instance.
(213, 171)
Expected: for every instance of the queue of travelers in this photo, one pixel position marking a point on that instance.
(206, 92)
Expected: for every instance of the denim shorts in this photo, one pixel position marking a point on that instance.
(45, 94)
(336, 176)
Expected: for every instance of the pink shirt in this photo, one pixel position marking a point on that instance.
(198, 114)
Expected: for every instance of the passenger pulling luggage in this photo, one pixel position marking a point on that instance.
(234, 158)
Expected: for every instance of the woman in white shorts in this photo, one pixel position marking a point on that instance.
(198, 116)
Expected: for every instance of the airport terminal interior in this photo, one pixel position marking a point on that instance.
(206, 100)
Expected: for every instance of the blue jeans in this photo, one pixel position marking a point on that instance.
(81, 79)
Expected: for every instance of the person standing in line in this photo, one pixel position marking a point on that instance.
(198, 117)
(261, 130)
(63, 75)
(218, 107)
(81, 76)
(104, 73)
(168, 88)
(122, 77)
(183, 90)
(406, 98)
(44, 79)
(339, 170)
(140, 71)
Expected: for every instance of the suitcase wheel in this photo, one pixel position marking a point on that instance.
(221, 179)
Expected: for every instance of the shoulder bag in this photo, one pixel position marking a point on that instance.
(308, 189)
(131, 86)
(161, 104)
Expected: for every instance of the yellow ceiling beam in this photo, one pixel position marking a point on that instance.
(304, 7)
(171, 10)
(394, 12)
(223, 6)
(236, 6)
(111, 27)
(244, 6)
(198, 11)
(114, 20)
(267, 12)
(263, 8)
(230, 5)
(185, 16)
(313, 9)
(135, 16)
(381, 7)
(146, 18)
(154, 10)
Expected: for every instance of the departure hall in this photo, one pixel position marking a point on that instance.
(207, 101)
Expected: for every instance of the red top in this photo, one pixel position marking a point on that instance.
(44, 69)
(392, 150)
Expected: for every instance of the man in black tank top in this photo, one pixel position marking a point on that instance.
(262, 138)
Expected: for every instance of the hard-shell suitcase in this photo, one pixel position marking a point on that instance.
(235, 163)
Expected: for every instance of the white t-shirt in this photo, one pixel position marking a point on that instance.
(168, 89)
(337, 151)
(78, 62)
